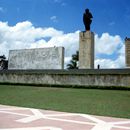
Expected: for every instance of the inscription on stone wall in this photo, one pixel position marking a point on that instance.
(42, 58)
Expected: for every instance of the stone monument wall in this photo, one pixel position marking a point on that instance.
(41, 58)
(127, 52)
(86, 50)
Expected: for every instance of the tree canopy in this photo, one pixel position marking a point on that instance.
(74, 61)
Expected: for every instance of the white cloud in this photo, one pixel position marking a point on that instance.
(110, 45)
(67, 60)
(24, 35)
(108, 63)
(61, 2)
(69, 41)
(107, 44)
(54, 19)
(105, 63)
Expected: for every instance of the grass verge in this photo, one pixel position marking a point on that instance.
(114, 103)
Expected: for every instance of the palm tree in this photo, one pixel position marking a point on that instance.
(74, 62)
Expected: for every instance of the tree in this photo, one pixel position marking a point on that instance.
(74, 62)
(3, 62)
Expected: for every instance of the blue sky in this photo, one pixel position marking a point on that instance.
(111, 16)
(111, 24)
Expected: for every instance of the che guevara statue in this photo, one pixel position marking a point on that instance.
(87, 19)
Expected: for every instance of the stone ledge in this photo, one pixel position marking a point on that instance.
(67, 72)
(68, 77)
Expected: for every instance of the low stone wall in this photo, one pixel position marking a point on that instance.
(115, 77)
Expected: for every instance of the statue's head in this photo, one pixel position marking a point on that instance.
(86, 10)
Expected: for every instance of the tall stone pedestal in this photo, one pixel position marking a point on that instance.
(86, 50)
(127, 52)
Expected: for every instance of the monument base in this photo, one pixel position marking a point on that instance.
(86, 50)
(127, 50)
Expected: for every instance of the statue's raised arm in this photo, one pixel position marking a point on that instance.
(87, 19)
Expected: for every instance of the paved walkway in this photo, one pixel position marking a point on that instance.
(18, 118)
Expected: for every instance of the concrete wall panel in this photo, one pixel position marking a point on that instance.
(42, 58)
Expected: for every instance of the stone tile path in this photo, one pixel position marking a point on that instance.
(18, 118)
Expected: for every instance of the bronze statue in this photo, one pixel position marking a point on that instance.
(127, 39)
(87, 19)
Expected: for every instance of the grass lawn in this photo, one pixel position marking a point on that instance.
(91, 101)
